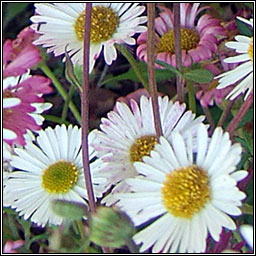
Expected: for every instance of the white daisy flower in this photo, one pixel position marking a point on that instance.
(51, 168)
(8, 153)
(129, 134)
(62, 24)
(242, 73)
(7, 156)
(247, 233)
(184, 194)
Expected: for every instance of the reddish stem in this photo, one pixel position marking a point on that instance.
(151, 67)
(240, 114)
(177, 48)
(85, 108)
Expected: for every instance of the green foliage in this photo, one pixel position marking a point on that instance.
(12, 10)
(247, 143)
(250, 5)
(69, 210)
(169, 67)
(70, 73)
(248, 117)
(161, 75)
(200, 76)
(244, 28)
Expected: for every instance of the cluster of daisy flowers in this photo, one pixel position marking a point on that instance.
(178, 189)
(63, 24)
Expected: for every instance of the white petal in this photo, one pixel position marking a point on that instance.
(247, 233)
(8, 134)
(11, 102)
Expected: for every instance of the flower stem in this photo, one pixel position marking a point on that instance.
(60, 89)
(132, 62)
(81, 230)
(225, 113)
(191, 96)
(177, 46)
(151, 67)
(132, 246)
(240, 114)
(209, 118)
(85, 108)
(55, 119)
(65, 108)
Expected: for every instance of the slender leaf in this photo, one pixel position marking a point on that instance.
(199, 76)
(169, 67)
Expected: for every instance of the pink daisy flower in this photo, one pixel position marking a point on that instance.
(198, 39)
(22, 104)
(20, 54)
(22, 95)
(208, 94)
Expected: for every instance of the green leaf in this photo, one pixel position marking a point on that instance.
(247, 209)
(69, 210)
(246, 142)
(161, 75)
(199, 76)
(13, 9)
(70, 73)
(78, 70)
(244, 28)
(250, 5)
(169, 67)
(26, 227)
(248, 117)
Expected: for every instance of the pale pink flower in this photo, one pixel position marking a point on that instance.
(10, 246)
(199, 40)
(20, 54)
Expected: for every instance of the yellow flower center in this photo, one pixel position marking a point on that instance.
(8, 94)
(250, 49)
(104, 22)
(60, 177)
(189, 40)
(185, 191)
(7, 111)
(142, 147)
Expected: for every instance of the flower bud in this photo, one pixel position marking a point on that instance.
(110, 228)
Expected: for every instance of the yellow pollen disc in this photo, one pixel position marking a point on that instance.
(142, 147)
(189, 40)
(60, 177)
(250, 49)
(185, 191)
(104, 22)
(7, 111)
(8, 94)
